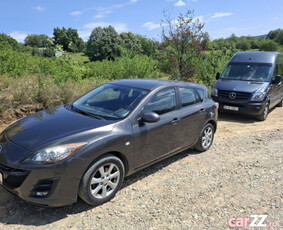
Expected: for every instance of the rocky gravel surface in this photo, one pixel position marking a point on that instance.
(240, 176)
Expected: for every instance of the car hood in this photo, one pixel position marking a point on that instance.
(240, 86)
(48, 126)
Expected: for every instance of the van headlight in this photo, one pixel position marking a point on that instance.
(54, 154)
(258, 96)
(214, 92)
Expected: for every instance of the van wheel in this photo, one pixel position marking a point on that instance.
(264, 114)
(102, 180)
(206, 138)
(280, 104)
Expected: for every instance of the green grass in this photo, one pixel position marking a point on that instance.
(79, 57)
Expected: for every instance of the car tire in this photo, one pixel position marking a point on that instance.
(264, 114)
(280, 104)
(102, 180)
(206, 138)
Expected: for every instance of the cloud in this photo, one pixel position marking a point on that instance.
(76, 13)
(19, 35)
(104, 11)
(151, 25)
(39, 8)
(87, 28)
(220, 15)
(180, 3)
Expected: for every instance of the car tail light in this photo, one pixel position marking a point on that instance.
(217, 105)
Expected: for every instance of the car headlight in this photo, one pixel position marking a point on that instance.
(214, 92)
(258, 96)
(54, 154)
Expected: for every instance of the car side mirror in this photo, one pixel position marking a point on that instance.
(277, 80)
(217, 75)
(150, 117)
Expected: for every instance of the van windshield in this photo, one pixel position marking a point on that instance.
(247, 72)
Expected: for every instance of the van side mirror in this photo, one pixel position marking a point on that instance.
(217, 75)
(277, 80)
(150, 117)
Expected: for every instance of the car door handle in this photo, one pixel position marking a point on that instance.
(202, 110)
(175, 121)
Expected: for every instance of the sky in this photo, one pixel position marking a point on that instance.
(18, 18)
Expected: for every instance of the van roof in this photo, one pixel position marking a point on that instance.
(255, 57)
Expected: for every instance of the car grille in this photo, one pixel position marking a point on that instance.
(240, 96)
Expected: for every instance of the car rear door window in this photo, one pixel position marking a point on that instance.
(163, 102)
(188, 96)
(200, 94)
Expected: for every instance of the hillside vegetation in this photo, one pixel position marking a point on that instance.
(51, 71)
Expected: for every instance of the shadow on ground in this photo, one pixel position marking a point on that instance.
(239, 118)
(13, 210)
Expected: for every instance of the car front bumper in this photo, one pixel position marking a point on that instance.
(249, 108)
(48, 185)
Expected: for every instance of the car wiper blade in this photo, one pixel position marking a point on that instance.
(87, 114)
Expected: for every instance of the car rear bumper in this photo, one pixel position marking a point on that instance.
(249, 108)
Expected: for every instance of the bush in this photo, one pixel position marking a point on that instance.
(124, 67)
(268, 45)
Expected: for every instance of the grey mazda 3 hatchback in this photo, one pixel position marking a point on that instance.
(87, 147)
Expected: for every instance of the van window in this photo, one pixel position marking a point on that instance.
(247, 72)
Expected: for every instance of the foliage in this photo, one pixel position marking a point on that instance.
(104, 43)
(268, 45)
(130, 42)
(209, 64)
(276, 35)
(39, 41)
(139, 66)
(69, 39)
(182, 43)
(7, 40)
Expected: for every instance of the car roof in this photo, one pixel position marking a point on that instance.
(149, 84)
(255, 57)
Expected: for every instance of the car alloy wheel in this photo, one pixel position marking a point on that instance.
(206, 138)
(105, 181)
(102, 180)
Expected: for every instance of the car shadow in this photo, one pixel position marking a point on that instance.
(239, 118)
(14, 211)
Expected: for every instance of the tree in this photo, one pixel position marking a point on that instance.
(9, 41)
(104, 43)
(276, 35)
(148, 46)
(268, 45)
(131, 42)
(39, 41)
(182, 42)
(69, 39)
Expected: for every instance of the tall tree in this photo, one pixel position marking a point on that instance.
(183, 41)
(69, 39)
(104, 43)
(38, 41)
(276, 35)
(131, 42)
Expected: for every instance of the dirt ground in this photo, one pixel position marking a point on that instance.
(240, 176)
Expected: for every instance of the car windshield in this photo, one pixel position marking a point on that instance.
(247, 72)
(109, 101)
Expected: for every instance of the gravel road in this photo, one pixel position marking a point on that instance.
(240, 176)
